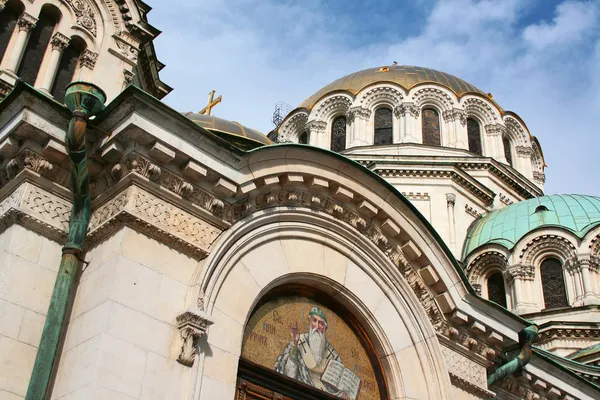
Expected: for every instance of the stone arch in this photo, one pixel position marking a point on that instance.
(482, 264)
(331, 106)
(481, 109)
(537, 164)
(310, 249)
(292, 127)
(516, 132)
(379, 95)
(442, 99)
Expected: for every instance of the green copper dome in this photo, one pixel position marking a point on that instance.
(575, 213)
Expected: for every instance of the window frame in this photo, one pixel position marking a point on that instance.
(437, 111)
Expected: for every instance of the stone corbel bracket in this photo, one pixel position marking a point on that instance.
(192, 326)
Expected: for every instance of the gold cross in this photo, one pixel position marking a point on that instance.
(211, 103)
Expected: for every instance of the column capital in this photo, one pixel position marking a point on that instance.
(407, 109)
(2, 4)
(88, 59)
(192, 326)
(495, 129)
(128, 76)
(27, 22)
(454, 115)
(315, 126)
(521, 272)
(60, 41)
(450, 199)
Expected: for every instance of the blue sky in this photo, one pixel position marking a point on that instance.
(539, 58)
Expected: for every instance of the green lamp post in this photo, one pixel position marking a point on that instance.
(84, 100)
(527, 337)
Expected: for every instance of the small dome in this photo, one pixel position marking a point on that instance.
(234, 132)
(575, 213)
(403, 75)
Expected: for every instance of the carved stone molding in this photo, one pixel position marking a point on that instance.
(450, 199)
(483, 262)
(386, 93)
(155, 217)
(472, 212)
(438, 96)
(85, 15)
(539, 177)
(539, 244)
(27, 22)
(128, 50)
(192, 326)
(128, 77)
(482, 109)
(29, 160)
(406, 109)
(60, 41)
(524, 151)
(292, 127)
(88, 59)
(466, 373)
(505, 199)
(358, 112)
(515, 130)
(331, 105)
(467, 341)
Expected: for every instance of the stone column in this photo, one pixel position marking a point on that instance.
(26, 23)
(460, 129)
(494, 133)
(59, 44)
(397, 125)
(450, 201)
(448, 117)
(316, 129)
(521, 276)
(87, 62)
(589, 297)
(357, 118)
(410, 114)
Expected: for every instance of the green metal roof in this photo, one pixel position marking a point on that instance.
(575, 213)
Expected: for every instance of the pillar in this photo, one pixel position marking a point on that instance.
(87, 62)
(59, 44)
(25, 24)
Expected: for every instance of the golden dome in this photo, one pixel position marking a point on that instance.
(403, 75)
(234, 132)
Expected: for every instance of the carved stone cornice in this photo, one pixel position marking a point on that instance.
(505, 199)
(27, 22)
(486, 198)
(539, 177)
(524, 151)
(88, 59)
(85, 15)
(192, 326)
(467, 342)
(472, 212)
(497, 172)
(60, 41)
(129, 51)
(30, 160)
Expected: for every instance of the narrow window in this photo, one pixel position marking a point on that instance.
(507, 150)
(8, 21)
(37, 45)
(430, 123)
(303, 138)
(66, 68)
(383, 126)
(496, 290)
(474, 136)
(338, 134)
(553, 284)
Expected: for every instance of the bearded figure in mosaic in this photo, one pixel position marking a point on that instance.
(307, 355)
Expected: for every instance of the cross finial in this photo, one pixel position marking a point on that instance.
(211, 103)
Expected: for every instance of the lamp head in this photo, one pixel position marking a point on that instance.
(85, 98)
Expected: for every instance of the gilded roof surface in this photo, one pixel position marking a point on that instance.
(404, 75)
(225, 128)
(575, 213)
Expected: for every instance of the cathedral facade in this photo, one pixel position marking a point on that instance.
(390, 239)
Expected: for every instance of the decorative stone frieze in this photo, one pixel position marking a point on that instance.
(378, 94)
(541, 243)
(524, 151)
(156, 218)
(332, 105)
(128, 50)
(468, 341)
(466, 373)
(192, 326)
(539, 177)
(88, 59)
(31, 161)
(27, 22)
(482, 109)
(85, 15)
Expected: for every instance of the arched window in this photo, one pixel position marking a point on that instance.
(496, 290)
(37, 45)
(507, 150)
(553, 284)
(338, 134)
(430, 123)
(303, 137)
(8, 21)
(383, 126)
(66, 67)
(474, 136)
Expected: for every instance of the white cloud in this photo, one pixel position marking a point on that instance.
(260, 52)
(572, 21)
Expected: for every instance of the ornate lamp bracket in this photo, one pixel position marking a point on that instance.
(192, 326)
